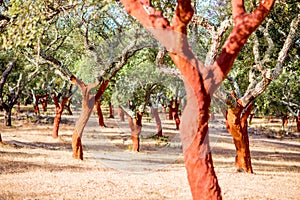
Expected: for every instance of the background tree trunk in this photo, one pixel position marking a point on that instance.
(44, 101)
(111, 111)
(157, 121)
(100, 114)
(7, 118)
(68, 107)
(88, 102)
(236, 124)
(135, 125)
(58, 113)
(298, 123)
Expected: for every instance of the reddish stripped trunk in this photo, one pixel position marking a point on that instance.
(36, 105)
(158, 121)
(59, 108)
(19, 107)
(170, 106)
(44, 101)
(285, 120)
(135, 125)
(88, 102)
(111, 110)
(237, 125)
(100, 114)
(173, 112)
(195, 144)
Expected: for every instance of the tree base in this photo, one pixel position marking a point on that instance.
(135, 144)
(159, 133)
(77, 147)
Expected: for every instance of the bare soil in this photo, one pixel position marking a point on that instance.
(33, 165)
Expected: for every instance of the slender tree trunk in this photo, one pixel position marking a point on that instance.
(87, 108)
(121, 114)
(100, 114)
(170, 106)
(44, 100)
(237, 125)
(135, 124)
(19, 107)
(88, 102)
(36, 106)
(158, 121)
(298, 123)
(111, 111)
(285, 121)
(7, 117)
(68, 107)
(173, 112)
(0, 139)
(58, 113)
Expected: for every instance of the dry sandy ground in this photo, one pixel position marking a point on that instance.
(35, 166)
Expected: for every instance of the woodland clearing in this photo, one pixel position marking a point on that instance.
(36, 166)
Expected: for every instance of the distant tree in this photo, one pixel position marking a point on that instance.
(133, 92)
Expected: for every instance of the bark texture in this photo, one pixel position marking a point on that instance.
(135, 125)
(111, 111)
(88, 102)
(236, 124)
(59, 108)
(298, 123)
(100, 114)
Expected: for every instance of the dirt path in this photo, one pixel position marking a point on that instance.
(34, 166)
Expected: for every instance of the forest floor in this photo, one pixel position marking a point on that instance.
(33, 165)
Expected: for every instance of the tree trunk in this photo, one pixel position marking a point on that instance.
(195, 143)
(56, 123)
(100, 114)
(19, 107)
(298, 123)
(285, 120)
(88, 102)
(0, 139)
(58, 113)
(36, 99)
(173, 112)
(44, 101)
(135, 124)
(87, 108)
(177, 120)
(170, 106)
(68, 107)
(158, 121)
(36, 109)
(237, 125)
(111, 111)
(7, 118)
(121, 114)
